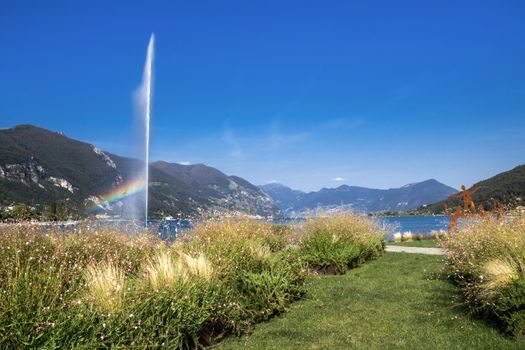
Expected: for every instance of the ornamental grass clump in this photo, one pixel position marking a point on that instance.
(497, 274)
(486, 258)
(176, 301)
(252, 264)
(55, 282)
(276, 237)
(197, 266)
(95, 287)
(335, 243)
(407, 237)
(106, 287)
(397, 237)
(236, 245)
(162, 271)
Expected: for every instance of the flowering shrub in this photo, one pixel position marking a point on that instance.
(486, 258)
(93, 287)
(259, 274)
(338, 242)
(52, 282)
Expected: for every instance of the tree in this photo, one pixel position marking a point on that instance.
(21, 212)
(4, 215)
(61, 213)
(48, 213)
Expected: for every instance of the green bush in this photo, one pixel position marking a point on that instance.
(94, 287)
(42, 278)
(335, 243)
(487, 260)
(251, 259)
(509, 306)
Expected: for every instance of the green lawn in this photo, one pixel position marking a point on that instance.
(422, 243)
(390, 303)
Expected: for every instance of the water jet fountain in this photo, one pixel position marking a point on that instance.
(143, 102)
(132, 195)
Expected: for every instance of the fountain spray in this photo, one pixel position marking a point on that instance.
(146, 97)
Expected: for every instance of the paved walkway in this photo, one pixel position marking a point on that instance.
(417, 250)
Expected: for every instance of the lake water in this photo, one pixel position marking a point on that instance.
(169, 229)
(165, 229)
(416, 224)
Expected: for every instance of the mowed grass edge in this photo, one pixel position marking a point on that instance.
(393, 302)
(426, 243)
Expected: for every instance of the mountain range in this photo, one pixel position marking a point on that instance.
(359, 199)
(39, 167)
(507, 188)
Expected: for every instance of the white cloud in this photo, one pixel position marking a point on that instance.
(184, 163)
(338, 178)
(236, 150)
(277, 139)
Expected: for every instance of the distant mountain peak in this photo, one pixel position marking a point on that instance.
(228, 192)
(360, 198)
(39, 167)
(273, 185)
(507, 188)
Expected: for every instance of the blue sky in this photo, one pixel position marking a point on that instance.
(307, 93)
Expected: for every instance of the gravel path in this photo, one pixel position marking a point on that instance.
(417, 250)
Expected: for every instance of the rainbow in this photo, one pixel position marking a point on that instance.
(120, 192)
